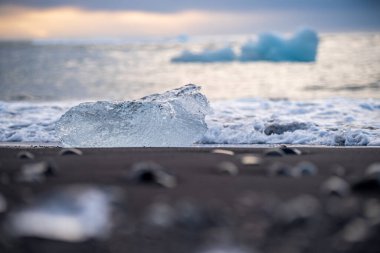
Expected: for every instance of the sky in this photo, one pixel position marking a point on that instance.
(26, 19)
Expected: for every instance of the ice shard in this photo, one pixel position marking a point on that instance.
(173, 118)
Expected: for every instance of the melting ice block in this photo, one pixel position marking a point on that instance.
(173, 118)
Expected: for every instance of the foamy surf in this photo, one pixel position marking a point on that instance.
(331, 122)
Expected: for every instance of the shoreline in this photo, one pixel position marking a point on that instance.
(208, 206)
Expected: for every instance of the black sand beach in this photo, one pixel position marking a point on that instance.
(268, 206)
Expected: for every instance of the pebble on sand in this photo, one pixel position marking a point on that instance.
(335, 186)
(35, 172)
(304, 168)
(70, 151)
(152, 173)
(279, 169)
(274, 152)
(25, 155)
(227, 167)
(223, 151)
(250, 159)
(3, 203)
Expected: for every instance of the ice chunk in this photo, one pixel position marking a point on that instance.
(302, 47)
(225, 54)
(72, 214)
(173, 118)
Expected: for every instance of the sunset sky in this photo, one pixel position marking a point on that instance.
(22, 19)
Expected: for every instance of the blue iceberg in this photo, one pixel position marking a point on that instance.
(225, 54)
(302, 47)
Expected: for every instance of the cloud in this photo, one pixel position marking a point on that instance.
(69, 22)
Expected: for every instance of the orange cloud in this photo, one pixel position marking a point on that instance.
(70, 22)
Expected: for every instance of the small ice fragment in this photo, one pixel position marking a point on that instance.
(149, 172)
(223, 151)
(371, 210)
(356, 230)
(250, 160)
(373, 169)
(335, 186)
(70, 151)
(173, 118)
(225, 249)
(25, 155)
(72, 214)
(160, 214)
(305, 169)
(35, 172)
(3, 203)
(227, 168)
(299, 209)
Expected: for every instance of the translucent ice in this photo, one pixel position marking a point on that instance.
(173, 118)
(302, 47)
(72, 214)
(218, 55)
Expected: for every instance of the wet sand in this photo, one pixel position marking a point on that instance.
(253, 211)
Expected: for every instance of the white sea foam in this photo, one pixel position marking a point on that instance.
(339, 121)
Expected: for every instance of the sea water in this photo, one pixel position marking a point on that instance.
(332, 101)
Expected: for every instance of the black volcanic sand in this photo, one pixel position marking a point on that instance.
(249, 212)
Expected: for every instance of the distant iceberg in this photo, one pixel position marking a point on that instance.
(302, 47)
(225, 54)
(173, 118)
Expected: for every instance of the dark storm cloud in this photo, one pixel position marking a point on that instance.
(213, 5)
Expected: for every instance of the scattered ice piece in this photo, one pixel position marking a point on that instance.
(298, 209)
(72, 214)
(223, 151)
(225, 54)
(356, 230)
(160, 214)
(35, 172)
(3, 204)
(373, 169)
(305, 169)
(250, 160)
(225, 249)
(335, 186)
(371, 210)
(279, 169)
(227, 167)
(173, 118)
(338, 170)
(149, 172)
(25, 155)
(70, 151)
(192, 216)
(302, 47)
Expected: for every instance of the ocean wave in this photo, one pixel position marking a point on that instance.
(332, 122)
